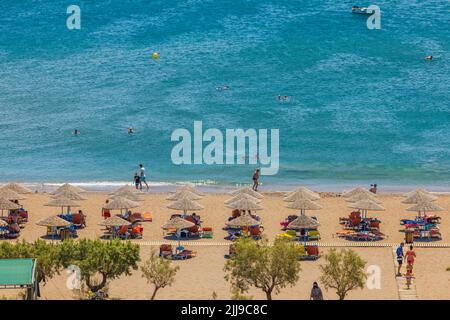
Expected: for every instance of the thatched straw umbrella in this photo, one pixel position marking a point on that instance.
(245, 204)
(303, 222)
(5, 204)
(423, 207)
(16, 188)
(10, 195)
(120, 203)
(418, 190)
(67, 186)
(127, 193)
(245, 220)
(184, 204)
(419, 197)
(363, 196)
(303, 205)
(303, 190)
(53, 221)
(191, 188)
(300, 195)
(69, 194)
(178, 224)
(115, 222)
(184, 194)
(62, 202)
(249, 191)
(366, 205)
(242, 196)
(357, 191)
(128, 188)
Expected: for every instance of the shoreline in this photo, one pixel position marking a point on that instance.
(166, 187)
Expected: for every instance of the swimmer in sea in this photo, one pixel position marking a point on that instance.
(223, 88)
(429, 58)
(76, 132)
(130, 130)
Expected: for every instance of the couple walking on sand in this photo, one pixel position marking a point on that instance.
(139, 178)
(409, 257)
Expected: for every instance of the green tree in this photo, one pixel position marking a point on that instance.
(46, 255)
(107, 259)
(343, 271)
(260, 265)
(159, 272)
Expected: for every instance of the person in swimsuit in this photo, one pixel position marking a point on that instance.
(410, 256)
(142, 176)
(137, 180)
(256, 180)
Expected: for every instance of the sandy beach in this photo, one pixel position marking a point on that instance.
(203, 275)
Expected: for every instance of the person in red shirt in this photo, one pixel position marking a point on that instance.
(256, 180)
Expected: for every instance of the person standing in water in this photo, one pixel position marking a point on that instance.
(142, 176)
(137, 180)
(256, 180)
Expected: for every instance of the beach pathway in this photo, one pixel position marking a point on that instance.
(403, 292)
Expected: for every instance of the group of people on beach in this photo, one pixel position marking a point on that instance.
(139, 178)
(409, 257)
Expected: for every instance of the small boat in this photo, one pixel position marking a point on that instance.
(360, 10)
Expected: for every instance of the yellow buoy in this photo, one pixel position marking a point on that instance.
(155, 55)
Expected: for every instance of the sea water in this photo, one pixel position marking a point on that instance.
(363, 106)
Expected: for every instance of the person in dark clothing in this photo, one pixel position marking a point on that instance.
(256, 180)
(137, 180)
(316, 292)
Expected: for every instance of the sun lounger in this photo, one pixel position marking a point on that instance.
(207, 233)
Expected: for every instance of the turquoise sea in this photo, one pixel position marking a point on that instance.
(364, 105)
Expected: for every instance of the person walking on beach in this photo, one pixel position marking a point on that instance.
(410, 257)
(400, 257)
(316, 292)
(142, 176)
(256, 180)
(137, 180)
